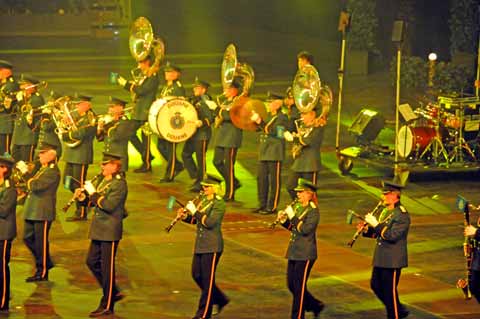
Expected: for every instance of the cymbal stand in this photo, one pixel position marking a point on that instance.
(456, 155)
(436, 145)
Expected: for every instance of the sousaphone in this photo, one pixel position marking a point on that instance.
(243, 106)
(306, 88)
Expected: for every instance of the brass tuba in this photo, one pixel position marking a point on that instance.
(243, 106)
(142, 43)
(306, 88)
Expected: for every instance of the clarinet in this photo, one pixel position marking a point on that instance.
(280, 213)
(196, 200)
(364, 224)
(80, 197)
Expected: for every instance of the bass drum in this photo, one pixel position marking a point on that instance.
(414, 139)
(175, 119)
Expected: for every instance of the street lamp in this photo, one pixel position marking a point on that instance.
(432, 57)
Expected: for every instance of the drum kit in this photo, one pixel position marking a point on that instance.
(436, 134)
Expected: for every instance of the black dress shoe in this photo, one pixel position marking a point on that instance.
(119, 296)
(36, 278)
(258, 210)
(216, 310)
(143, 169)
(403, 314)
(76, 219)
(316, 312)
(266, 212)
(166, 180)
(98, 310)
(100, 313)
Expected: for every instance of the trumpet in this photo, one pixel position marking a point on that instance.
(350, 215)
(197, 200)
(106, 119)
(280, 214)
(80, 196)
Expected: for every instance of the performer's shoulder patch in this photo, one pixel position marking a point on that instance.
(52, 165)
(7, 184)
(312, 204)
(403, 209)
(179, 83)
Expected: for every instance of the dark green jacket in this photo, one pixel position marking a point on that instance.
(82, 153)
(175, 89)
(7, 115)
(227, 135)
(208, 218)
(391, 235)
(109, 212)
(272, 147)
(115, 138)
(41, 200)
(47, 134)
(25, 133)
(144, 96)
(303, 228)
(8, 209)
(206, 115)
(309, 158)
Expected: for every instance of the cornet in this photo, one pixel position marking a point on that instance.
(281, 213)
(352, 214)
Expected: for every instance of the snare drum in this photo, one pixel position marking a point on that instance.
(414, 139)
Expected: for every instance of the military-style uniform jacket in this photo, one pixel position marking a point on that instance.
(83, 152)
(208, 217)
(272, 147)
(115, 136)
(206, 115)
(475, 265)
(41, 200)
(391, 235)
(293, 114)
(309, 158)
(47, 134)
(7, 113)
(174, 89)
(8, 206)
(25, 133)
(109, 212)
(144, 96)
(303, 228)
(227, 135)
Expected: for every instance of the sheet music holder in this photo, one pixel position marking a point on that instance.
(407, 112)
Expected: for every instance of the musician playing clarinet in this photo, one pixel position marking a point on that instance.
(207, 213)
(390, 231)
(301, 218)
(474, 285)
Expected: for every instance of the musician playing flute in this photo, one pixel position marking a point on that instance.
(301, 218)
(107, 196)
(390, 230)
(208, 214)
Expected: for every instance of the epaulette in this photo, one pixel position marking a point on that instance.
(179, 83)
(402, 209)
(312, 204)
(52, 165)
(11, 79)
(37, 93)
(7, 183)
(118, 176)
(218, 197)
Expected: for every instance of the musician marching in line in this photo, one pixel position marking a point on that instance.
(198, 142)
(8, 88)
(474, 284)
(8, 227)
(47, 132)
(390, 231)
(40, 210)
(301, 218)
(207, 214)
(78, 149)
(26, 130)
(271, 153)
(167, 149)
(107, 195)
(114, 129)
(228, 138)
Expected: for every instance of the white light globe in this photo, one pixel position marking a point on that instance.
(432, 56)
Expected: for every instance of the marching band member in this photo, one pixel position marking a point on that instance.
(117, 131)
(228, 138)
(208, 215)
(47, 129)
(390, 231)
(39, 211)
(144, 95)
(8, 227)
(302, 219)
(25, 132)
(78, 157)
(168, 149)
(474, 284)
(198, 143)
(271, 153)
(8, 88)
(290, 109)
(108, 196)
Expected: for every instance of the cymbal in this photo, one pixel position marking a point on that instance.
(243, 109)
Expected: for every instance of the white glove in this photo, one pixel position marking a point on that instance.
(288, 136)
(22, 167)
(191, 208)
(255, 117)
(121, 80)
(371, 220)
(89, 188)
(198, 123)
(289, 211)
(19, 96)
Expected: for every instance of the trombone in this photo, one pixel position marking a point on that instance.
(363, 225)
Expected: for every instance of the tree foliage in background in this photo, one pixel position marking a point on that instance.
(463, 26)
(364, 24)
(413, 72)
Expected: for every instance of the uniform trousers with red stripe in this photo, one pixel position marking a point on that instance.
(224, 161)
(168, 150)
(203, 272)
(5, 249)
(79, 174)
(298, 272)
(293, 181)
(268, 184)
(198, 170)
(5, 143)
(36, 239)
(142, 146)
(384, 284)
(101, 262)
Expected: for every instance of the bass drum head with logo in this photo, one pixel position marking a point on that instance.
(174, 120)
(153, 114)
(414, 139)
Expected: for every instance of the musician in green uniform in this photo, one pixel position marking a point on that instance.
(390, 230)
(271, 153)
(198, 142)
(78, 149)
(40, 210)
(228, 138)
(8, 227)
(8, 89)
(47, 132)
(114, 129)
(143, 91)
(301, 218)
(172, 88)
(207, 213)
(108, 196)
(27, 121)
